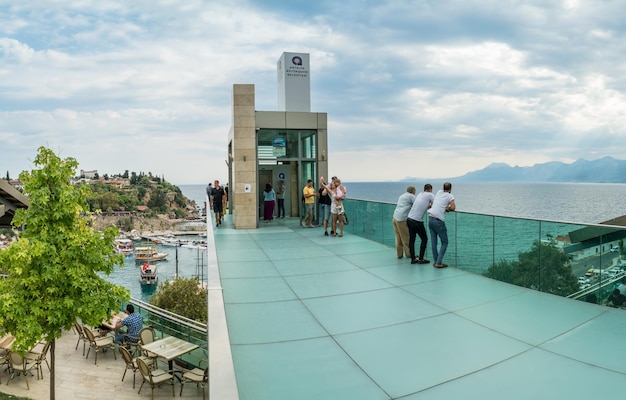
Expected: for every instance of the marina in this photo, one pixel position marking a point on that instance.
(183, 262)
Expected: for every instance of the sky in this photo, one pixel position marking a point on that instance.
(429, 89)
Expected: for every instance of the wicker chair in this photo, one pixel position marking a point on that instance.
(38, 355)
(96, 344)
(20, 366)
(154, 376)
(131, 363)
(198, 376)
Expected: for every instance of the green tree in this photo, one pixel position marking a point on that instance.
(183, 297)
(54, 266)
(544, 267)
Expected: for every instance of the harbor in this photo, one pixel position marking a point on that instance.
(186, 260)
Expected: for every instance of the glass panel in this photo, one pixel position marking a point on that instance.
(309, 145)
(273, 144)
(583, 262)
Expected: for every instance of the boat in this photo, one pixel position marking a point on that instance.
(148, 274)
(149, 253)
(200, 244)
(172, 242)
(124, 246)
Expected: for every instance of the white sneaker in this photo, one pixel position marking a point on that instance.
(303, 224)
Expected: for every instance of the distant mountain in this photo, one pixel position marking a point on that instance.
(604, 170)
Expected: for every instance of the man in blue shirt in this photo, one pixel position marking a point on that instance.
(133, 323)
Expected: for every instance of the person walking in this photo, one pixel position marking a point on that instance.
(415, 223)
(400, 228)
(269, 197)
(442, 203)
(309, 202)
(216, 201)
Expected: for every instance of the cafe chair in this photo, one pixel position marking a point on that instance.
(81, 336)
(4, 362)
(38, 355)
(154, 376)
(147, 335)
(96, 344)
(131, 363)
(198, 376)
(20, 366)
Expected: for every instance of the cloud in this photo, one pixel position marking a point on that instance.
(444, 87)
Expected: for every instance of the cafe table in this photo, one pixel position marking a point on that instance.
(169, 348)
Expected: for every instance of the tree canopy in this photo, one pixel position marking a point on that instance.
(544, 267)
(183, 297)
(54, 268)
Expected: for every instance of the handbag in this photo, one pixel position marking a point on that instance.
(345, 218)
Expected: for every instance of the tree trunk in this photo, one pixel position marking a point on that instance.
(52, 369)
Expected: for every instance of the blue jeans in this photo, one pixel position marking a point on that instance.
(325, 212)
(438, 229)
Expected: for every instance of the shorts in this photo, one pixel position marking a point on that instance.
(309, 208)
(217, 208)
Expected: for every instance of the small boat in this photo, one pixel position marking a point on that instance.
(172, 242)
(149, 253)
(195, 245)
(148, 274)
(124, 246)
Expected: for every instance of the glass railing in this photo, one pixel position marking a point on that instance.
(580, 261)
(166, 324)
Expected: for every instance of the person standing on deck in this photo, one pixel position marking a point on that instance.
(443, 203)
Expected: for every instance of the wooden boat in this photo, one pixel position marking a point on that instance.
(149, 253)
(124, 246)
(148, 274)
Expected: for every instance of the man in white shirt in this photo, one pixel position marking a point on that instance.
(400, 228)
(415, 222)
(443, 203)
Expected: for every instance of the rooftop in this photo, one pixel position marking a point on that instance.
(319, 317)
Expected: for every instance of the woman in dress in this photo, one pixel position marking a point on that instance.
(270, 198)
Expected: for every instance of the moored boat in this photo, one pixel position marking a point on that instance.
(149, 253)
(200, 244)
(148, 274)
(124, 246)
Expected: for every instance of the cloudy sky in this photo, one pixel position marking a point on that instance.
(418, 88)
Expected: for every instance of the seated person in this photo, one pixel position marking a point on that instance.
(133, 324)
(616, 299)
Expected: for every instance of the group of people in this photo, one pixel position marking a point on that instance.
(218, 198)
(408, 223)
(331, 197)
(274, 198)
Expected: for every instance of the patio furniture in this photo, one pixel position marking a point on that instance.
(169, 348)
(20, 366)
(135, 342)
(154, 377)
(38, 355)
(97, 344)
(131, 363)
(4, 361)
(198, 376)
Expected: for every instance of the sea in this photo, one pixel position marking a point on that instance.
(564, 202)
(558, 202)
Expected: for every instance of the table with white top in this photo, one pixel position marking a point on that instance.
(169, 348)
